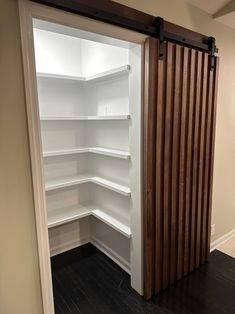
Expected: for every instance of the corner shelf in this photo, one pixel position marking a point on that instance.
(73, 181)
(112, 222)
(95, 150)
(84, 118)
(69, 214)
(63, 152)
(121, 189)
(63, 183)
(116, 72)
(110, 152)
(61, 216)
(60, 76)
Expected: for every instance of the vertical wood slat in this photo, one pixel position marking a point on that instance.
(167, 162)
(197, 90)
(182, 166)
(189, 159)
(159, 174)
(175, 164)
(178, 154)
(151, 57)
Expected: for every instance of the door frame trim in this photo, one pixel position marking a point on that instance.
(27, 11)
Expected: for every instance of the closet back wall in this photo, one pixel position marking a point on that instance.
(16, 207)
(52, 49)
(67, 56)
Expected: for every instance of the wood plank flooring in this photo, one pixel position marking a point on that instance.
(86, 281)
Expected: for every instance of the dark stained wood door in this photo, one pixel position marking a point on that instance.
(179, 132)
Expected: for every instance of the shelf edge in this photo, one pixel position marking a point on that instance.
(92, 78)
(99, 214)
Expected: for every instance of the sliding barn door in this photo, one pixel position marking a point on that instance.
(179, 130)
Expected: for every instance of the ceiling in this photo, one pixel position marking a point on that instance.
(221, 10)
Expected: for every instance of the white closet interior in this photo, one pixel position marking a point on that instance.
(89, 95)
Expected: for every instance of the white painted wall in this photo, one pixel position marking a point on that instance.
(100, 57)
(111, 242)
(66, 55)
(60, 97)
(111, 98)
(52, 50)
(71, 98)
(69, 236)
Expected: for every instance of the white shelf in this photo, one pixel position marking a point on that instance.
(116, 72)
(110, 152)
(112, 222)
(95, 150)
(60, 76)
(65, 215)
(111, 186)
(69, 214)
(63, 152)
(109, 74)
(84, 118)
(59, 184)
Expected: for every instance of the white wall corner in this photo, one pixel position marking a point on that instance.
(227, 236)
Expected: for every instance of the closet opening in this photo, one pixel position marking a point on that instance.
(83, 85)
(89, 106)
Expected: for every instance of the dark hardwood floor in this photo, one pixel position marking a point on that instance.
(86, 281)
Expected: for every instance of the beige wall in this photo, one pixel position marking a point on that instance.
(184, 14)
(19, 272)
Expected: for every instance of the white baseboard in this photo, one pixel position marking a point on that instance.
(101, 246)
(222, 240)
(69, 246)
(98, 244)
(111, 254)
